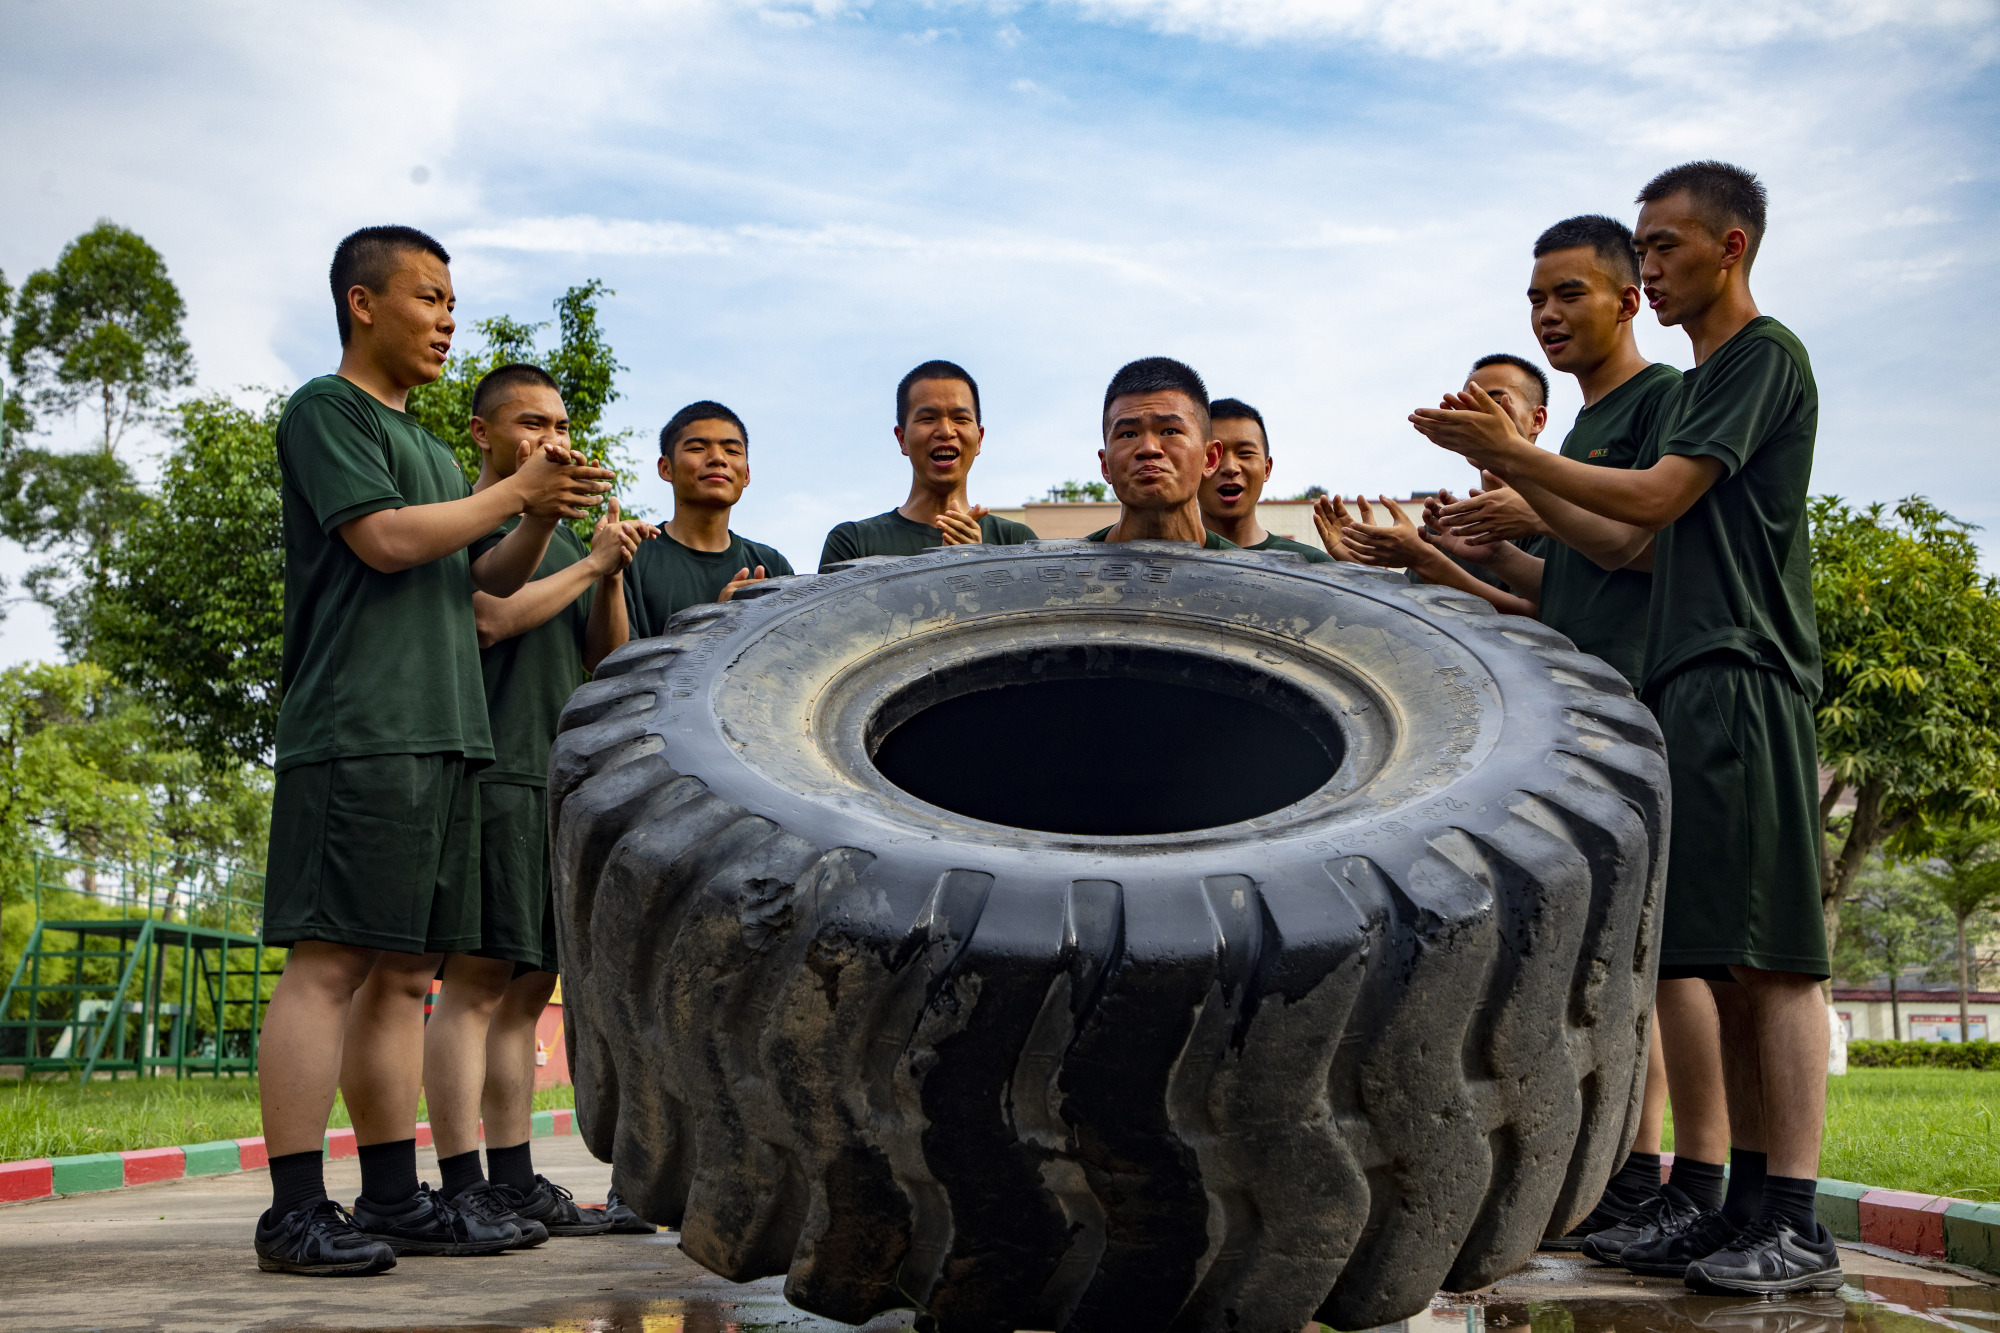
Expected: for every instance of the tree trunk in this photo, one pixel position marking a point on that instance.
(1835, 789)
(1964, 1011)
(1829, 903)
(1895, 1011)
(1865, 832)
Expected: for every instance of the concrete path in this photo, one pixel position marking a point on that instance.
(176, 1258)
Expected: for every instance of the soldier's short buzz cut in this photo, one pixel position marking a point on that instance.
(1610, 238)
(496, 384)
(705, 410)
(367, 258)
(934, 370)
(1536, 375)
(1156, 374)
(1724, 196)
(1235, 409)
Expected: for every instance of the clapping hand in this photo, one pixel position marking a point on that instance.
(1471, 423)
(959, 527)
(1331, 518)
(1486, 517)
(613, 542)
(743, 579)
(1395, 544)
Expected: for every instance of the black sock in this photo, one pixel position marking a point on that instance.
(513, 1167)
(1637, 1180)
(1789, 1199)
(1700, 1181)
(389, 1171)
(460, 1172)
(298, 1180)
(1746, 1187)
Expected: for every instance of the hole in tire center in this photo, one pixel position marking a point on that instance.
(1106, 741)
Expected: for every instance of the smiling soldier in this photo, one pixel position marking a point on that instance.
(705, 457)
(939, 430)
(1229, 497)
(1584, 293)
(1158, 449)
(1731, 669)
(373, 872)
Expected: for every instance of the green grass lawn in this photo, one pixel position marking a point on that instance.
(1933, 1131)
(1929, 1130)
(45, 1119)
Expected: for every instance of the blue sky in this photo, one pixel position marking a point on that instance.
(1325, 207)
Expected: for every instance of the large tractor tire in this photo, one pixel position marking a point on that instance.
(1095, 938)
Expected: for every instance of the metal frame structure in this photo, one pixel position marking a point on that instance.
(122, 1009)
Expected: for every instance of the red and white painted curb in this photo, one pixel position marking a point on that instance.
(53, 1177)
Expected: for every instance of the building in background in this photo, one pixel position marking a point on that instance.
(1929, 1013)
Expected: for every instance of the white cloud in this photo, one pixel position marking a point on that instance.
(585, 235)
(1636, 29)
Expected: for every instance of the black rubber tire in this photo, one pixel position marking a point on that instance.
(1315, 1064)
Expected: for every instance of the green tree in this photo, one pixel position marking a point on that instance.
(191, 617)
(103, 326)
(1963, 875)
(1909, 719)
(15, 419)
(12, 415)
(1891, 924)
(85, 773)
(73, 509)
(582, 363)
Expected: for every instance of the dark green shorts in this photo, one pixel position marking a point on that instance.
(517, 916)
(379, 851)
(1743, 861)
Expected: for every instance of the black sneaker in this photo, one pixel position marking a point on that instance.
(1768, 1258)
(1667, 1205)
(550, 1205)
(427, 1223)
(321, 1240)
(494, 1204)
(625, 1222)
(1666, 1249)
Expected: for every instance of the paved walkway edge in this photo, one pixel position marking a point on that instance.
(52, 1177)
(1957, 1231)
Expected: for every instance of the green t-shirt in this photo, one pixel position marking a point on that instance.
(374, 663)
(1603, 611)
(892, 534)
(665, 577)
(532, 675)
(1212, 542)
(1273, 542)
(1733, 575)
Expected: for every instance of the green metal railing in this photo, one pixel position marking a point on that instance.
(139, 968)
(185, 889)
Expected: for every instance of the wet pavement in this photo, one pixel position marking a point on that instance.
(175, 1258)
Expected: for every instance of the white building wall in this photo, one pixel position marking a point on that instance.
(1926, 1016)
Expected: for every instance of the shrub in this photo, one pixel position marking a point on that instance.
(1924, 1054)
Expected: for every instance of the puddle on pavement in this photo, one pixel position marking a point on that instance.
(1868, 1304)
